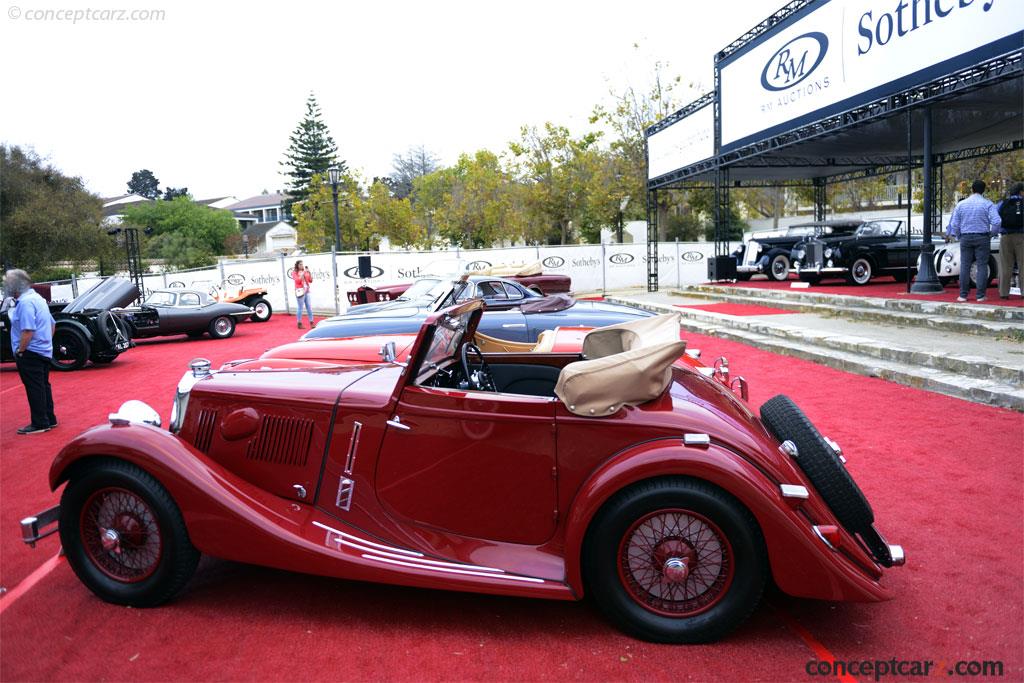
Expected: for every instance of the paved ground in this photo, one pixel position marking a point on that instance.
(930, 340)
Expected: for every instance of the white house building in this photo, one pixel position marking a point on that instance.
(113, 207)
(263, 208)
(271, 237)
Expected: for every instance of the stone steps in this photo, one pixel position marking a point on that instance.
(1001, 322)
(968, 377)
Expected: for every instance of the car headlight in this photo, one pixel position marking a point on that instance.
(829, 263)
(948, 257)
(198, 369)
(828, 252)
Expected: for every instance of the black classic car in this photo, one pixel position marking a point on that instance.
(878, 247)
(767, 253)
(85, 328)
(512, 312)
(168, 312)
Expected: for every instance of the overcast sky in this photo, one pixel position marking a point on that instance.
(207, 96)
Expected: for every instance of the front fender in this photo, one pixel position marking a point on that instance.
(217, 505)
(800, 563)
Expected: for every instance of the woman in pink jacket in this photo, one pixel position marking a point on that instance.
(302, 279)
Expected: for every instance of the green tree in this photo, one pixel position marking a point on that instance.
(314, 215)
(628, 115)
(144, 184)
(197, 230)
(471, 204)
(46, 216)
(175, 192)
(392, 217)
(311, 151)
(572, 182)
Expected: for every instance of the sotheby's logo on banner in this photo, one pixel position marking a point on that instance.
(835, 55)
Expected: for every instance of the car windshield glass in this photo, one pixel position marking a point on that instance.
(799, 230)
(421, 289)
(448, 333)
(878, 229)
(160, 299)
(457, 292)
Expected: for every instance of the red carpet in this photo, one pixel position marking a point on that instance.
(735, 309)
(884, 287)
(944, 477)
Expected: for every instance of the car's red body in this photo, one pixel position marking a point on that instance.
(545, 284)
(491, 493)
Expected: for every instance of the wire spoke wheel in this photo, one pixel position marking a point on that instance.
(675, 563)
(120, 535)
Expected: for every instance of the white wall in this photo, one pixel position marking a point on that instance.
(593, 268)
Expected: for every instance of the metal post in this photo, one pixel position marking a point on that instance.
(74, 286)
(334, 269)
(652, 241)
(820, 198)
(220, 266)
(927, 281)
(337, 221)
(163, 274)
(284, 285)
(604, 271)
(679, 276)
(910, 186)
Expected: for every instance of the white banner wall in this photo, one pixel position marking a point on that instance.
(593, 268)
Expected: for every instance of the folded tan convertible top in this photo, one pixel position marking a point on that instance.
(627, 364)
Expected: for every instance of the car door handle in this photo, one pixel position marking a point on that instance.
(514, 325)
(396, 422)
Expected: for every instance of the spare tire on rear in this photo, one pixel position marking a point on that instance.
(819, 462)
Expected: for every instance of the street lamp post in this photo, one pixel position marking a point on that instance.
(622, 209)
(334, 176)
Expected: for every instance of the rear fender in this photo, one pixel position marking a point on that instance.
(800, 563)
(76, 325)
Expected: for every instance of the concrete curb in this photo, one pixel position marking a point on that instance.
(849, 353)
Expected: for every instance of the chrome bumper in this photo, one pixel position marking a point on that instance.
(40, 525)
(747, 268)
(817, 269)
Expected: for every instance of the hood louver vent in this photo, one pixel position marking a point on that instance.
(282, 441)
(204, 429)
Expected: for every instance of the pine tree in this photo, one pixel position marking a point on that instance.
(311, 150)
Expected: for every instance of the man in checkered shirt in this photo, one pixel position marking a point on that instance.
(975, 220)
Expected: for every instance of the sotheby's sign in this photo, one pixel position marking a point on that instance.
(837, 54)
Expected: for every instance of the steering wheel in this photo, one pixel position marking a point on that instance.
(479, 379)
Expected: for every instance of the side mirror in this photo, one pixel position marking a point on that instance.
(388, 354)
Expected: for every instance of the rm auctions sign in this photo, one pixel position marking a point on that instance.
(834, 55)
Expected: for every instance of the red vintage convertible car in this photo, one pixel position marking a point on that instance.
(622, 470)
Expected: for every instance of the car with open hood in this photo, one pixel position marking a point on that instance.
(619, 472)
(86, 329)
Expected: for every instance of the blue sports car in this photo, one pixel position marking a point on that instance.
(512, 312)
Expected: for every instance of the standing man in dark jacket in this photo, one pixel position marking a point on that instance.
(1011, 238)
(32, 329)
(975, 221)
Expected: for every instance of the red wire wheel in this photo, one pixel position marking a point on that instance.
(675, 563)
(120, 535)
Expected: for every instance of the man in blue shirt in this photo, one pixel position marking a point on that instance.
(32, 329)
(974, 222)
